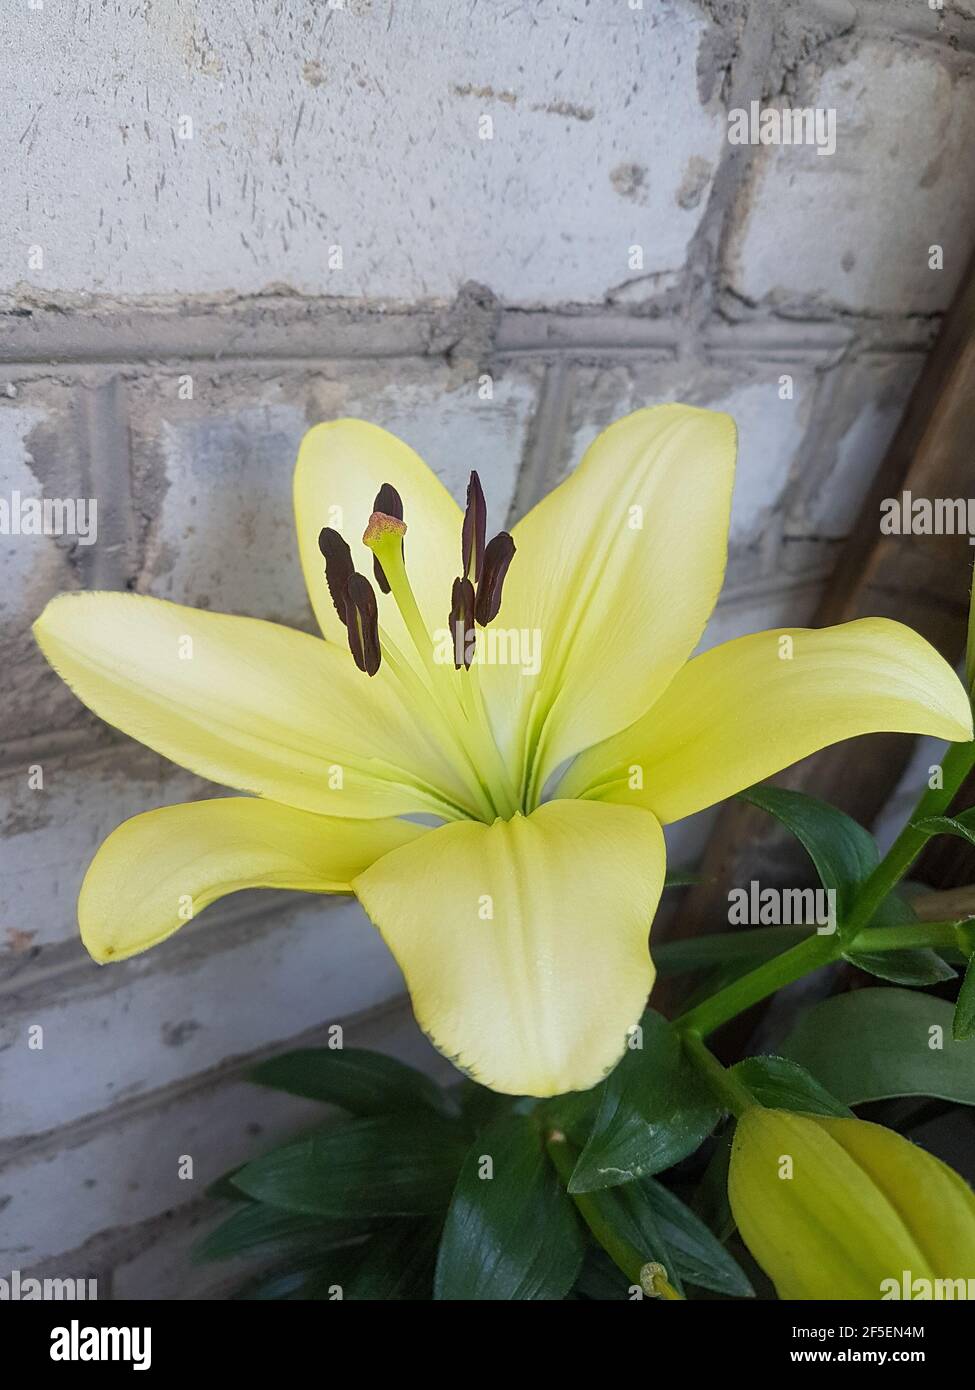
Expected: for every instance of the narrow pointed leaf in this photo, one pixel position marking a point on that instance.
(362, 1082)
(695, 1253)
(395, 1265)
(962, 825)
(513, 1235)
(255, 1229)
(749, 947)
(393, 1165)
(963, 1020)
(843, 853)
(909, 967)
(653, 1111)
(779, 1084)
(681, 878)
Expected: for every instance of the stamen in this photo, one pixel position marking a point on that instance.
(363, 623)
(458, 707)
(475, 525)
(339, 568)
(461, 622)
(498, 555)
(389, 502)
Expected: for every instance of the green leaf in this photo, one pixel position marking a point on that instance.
(362, 1082)
(963, 1019)
(255, 1228)
(393, 1165)
(913, 966)
(910, 967)
(222, 1189)
(711, 1198)
(643, 1221)
(395, 1265)
(695, 1254)
(320, 1278)
(680, 878)
(843, 853)
(873, 1044)
(601, 1280)
(514, 1234)
(750, 947)
(962, 825)
(653, 1111)
(783, 1085)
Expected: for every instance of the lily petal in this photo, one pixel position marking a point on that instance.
(618, 570)
(249, 704)
(341, 467)
(750, 707)
(524, 943)
(158, 870)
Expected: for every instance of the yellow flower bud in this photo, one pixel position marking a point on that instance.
(841, 1209)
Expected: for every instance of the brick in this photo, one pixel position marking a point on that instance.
(50, 834)
(40, 457)
(215, 472)
(125, 1170)
(362, 133)
(861, 409)
(853, 229)
(149, 1024)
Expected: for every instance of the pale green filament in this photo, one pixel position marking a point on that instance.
(462, 711)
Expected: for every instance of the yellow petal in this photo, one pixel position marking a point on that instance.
(524, 943)
(937, 1204)
(341, 466)
(811, 1217)
(617, 570)
(838, 1208)
(749, 708)
(250, 704)
(158, 870)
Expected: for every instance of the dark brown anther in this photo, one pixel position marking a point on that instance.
(339, 568)
(498, 555)
(472, 538)
(389, 502)
(462, 622)
(363, 624)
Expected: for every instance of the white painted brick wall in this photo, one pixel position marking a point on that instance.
(149, 1024)
(127, 1172)
(356, 126)
(854, 228)
(223, 535)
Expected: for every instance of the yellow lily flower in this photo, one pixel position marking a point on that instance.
(843, 1209)
(520, 923)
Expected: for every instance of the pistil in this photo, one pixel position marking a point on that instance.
(384, 537)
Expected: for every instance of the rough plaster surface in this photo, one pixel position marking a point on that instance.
(324, 962)
(354, 127)
(854, 228)
(129, 1172)
(215, 474)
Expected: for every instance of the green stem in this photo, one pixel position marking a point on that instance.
(589, 1206)
(939, 935)
(955, 767)
(758, 984)
(733, 1095)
